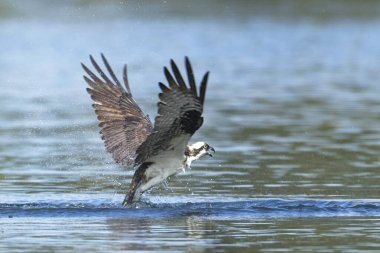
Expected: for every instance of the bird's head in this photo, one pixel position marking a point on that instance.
(198, 150)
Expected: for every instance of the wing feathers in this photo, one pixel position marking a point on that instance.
(123, 124)
(190, 76)
(127, 133)
(91, 74)
(170, 79)
(100, 71)
(203, 88)
(179, 114)
(178, 75)
(114, 78)
(163, 87)
(125, 77)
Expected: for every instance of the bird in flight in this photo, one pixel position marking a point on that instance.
(155, 151)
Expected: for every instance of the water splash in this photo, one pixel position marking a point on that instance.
(228, 209)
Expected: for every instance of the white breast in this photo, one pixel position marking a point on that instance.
(165, 165)
(168, 162)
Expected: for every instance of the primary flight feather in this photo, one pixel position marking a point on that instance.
(158, 151)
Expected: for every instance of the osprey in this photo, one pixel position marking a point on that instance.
(156, 151)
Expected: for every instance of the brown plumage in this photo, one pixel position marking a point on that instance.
(179, 112)
(123, 124)
(157, 152)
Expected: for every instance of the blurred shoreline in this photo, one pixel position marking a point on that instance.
(85, 10)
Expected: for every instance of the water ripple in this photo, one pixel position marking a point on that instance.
(279, 208)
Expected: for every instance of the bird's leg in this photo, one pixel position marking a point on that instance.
(138, 179)
(134, 194)
(139, 185)
(137, 190)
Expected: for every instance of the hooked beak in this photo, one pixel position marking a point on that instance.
(211, 151)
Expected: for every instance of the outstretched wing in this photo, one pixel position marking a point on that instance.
(179, 114)
(123, 124)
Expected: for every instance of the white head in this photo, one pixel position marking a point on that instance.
(197, 150)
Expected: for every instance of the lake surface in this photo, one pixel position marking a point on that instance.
(292, 109)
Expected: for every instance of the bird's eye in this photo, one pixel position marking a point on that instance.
(205, 146)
